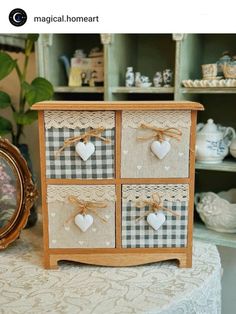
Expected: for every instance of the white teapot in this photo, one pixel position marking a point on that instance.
(212, 142)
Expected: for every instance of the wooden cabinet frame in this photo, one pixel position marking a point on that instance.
(118, 256)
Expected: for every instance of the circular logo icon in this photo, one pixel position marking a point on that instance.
(17, 17)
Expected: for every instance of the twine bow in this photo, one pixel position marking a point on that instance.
(160, 133)
(83, 137)
(82, 207)
(154, 204)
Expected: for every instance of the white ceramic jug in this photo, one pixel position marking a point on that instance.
(212, 143)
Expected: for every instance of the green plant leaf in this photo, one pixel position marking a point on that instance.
(25, 118)
(26, 86)
(6, 64)
(5, 126)
(5, 100)
(39, 90)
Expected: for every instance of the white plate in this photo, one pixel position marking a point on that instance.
(210, 83)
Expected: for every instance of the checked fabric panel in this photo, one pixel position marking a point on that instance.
(139, 234)
(68, 165)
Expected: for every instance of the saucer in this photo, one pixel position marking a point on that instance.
(146, 84)
(209, 78)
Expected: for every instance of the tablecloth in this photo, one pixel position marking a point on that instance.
(26, 287)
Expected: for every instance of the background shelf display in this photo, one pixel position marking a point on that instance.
(149, 53)
(226, 165)
(145, 90)
(82, 89)
(200, 232)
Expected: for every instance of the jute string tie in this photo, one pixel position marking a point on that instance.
(82, 207)
(155, 205)
(84, 138)
(160, 133)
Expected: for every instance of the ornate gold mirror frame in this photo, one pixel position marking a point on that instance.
(17, 193)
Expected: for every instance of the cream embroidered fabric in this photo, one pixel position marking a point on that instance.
(138, 161)
(169, 192)
(69, 235)
(157, 288)
(79, 119)
(96, 193)
(160, 119)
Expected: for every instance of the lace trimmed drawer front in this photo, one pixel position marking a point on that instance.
(137, 233)
(144, 163)
(62, 125)
(66, 234)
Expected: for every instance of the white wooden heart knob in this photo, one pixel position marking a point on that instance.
(156, 220)
(83, 221)
(85, 150)
(160, 149)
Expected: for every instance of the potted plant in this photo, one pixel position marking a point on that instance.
(30, 92)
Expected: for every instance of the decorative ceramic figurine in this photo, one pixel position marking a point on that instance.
(129, 77)
(212, 142)
(145, 81)
(225, 59)
(157, 79)
(217, 211)
(137, 80)
(79, 53)
(233, 61)
(167, 77)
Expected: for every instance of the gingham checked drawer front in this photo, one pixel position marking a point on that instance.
(138, 233)
(62, 125)
(137, 138)
(64, 229)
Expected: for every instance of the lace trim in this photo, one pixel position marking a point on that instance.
(160, 119)
(170, 192)
(79, 119)
(86, 193)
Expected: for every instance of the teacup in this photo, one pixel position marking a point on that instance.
(209, 71)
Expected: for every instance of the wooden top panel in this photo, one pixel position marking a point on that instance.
(117, 105)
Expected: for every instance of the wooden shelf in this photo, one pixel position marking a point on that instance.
(85, 89)
(219, 238)
(226, 165)
(143, 90)
(208, 90)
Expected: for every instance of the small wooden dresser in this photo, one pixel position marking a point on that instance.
(117, 181)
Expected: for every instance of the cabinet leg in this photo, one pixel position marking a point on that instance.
(185, 262)
(51, 262)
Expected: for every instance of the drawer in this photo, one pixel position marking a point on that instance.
(67, 163)
(64, 224)
(138, 137)
(172, 219)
